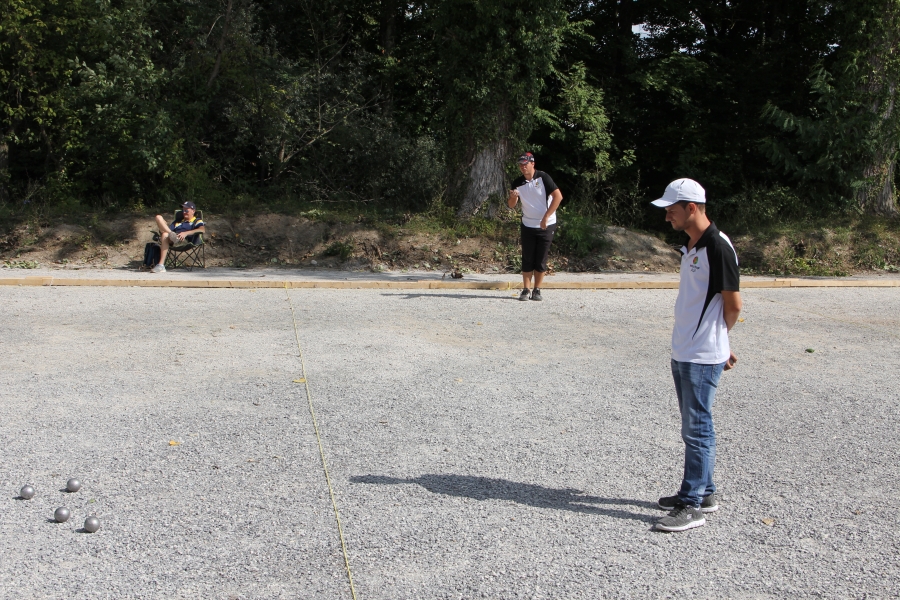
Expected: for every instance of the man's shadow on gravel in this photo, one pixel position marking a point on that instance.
(486, 488)
(412, 296)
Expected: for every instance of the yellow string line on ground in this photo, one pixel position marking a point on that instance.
(312, 412)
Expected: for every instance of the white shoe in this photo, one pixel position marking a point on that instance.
(160, 268)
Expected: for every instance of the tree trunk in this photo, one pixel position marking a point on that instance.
(486, 177)
(220, 50)
(624, 49)
(4, 171)
(877, 196)
(390, 9)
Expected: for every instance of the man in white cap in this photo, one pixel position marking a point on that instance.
(708, 305)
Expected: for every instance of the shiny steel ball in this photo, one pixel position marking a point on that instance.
(62, 514)
(73, 485)
(91, 524)
(27, 492)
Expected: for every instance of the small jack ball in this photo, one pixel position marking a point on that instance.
(91, 524)
(27, 492)
(62, 514)
(73, 485)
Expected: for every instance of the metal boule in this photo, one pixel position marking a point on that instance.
(91, 524)
(62, 514)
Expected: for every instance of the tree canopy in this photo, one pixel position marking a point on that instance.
(115, 103)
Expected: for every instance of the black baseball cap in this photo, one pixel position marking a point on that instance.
(525, 158)
(188, 205)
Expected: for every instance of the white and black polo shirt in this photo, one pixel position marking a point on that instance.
(709, 268)
(536, 196)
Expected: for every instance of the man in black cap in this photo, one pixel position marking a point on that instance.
(178, 231)
(540, 198)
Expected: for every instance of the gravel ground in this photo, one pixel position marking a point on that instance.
(322, 274)
(478, 446)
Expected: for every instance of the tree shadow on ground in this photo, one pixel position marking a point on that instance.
(487, 488)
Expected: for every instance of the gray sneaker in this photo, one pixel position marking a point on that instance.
(708, 505)
(536, 295)
(523, 295)
(681, 518)
(160, 268)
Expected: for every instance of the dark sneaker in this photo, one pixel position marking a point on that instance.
(524, 294)
(536, 295)
(681, 518)
(709, 504)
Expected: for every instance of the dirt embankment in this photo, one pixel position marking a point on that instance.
(279, 240)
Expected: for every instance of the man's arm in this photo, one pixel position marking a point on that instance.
(731, 308)
(513, 198)
(554, 204)
(186, 234)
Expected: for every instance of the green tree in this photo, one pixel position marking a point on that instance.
(82, 98)
(848, 138)
(38, 40)
(129, 144)
(572, 136)
(684, 94)
(495, 57)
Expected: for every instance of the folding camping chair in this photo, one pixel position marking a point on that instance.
(191, 252)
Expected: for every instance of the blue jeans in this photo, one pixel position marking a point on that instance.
(696, 385)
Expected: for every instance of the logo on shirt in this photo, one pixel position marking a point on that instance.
(694, 266)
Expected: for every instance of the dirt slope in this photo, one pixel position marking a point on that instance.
(272, 240)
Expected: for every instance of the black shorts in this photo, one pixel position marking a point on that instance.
(535, 247)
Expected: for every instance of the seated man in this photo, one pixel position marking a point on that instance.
(177, 232)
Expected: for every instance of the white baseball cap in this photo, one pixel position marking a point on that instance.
(682, 190)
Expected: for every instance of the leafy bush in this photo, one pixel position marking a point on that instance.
(343, 250)
(403, 172)
(578, 235)
(758, 207)
(21, 264)
(514, 263)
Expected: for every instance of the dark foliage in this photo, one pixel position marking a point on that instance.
(120, 103)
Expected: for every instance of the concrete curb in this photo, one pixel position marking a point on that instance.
(426, 285)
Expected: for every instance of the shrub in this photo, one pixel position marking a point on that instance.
(578, 235)
(343, 250)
